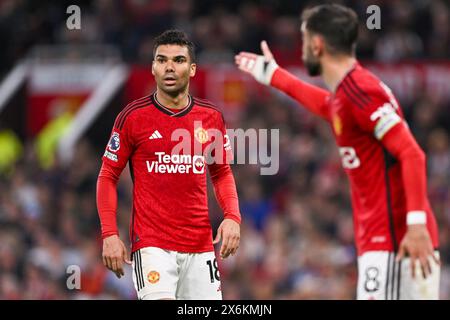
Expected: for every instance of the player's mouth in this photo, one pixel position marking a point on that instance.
(170, 80)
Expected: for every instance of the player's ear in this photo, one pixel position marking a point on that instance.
(153, 66)
(317, 45)
(192, 69)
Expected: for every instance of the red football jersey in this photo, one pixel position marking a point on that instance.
(361, 112)
(168, 153)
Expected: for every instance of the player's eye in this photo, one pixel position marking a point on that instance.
(180, 60)
(160, 60)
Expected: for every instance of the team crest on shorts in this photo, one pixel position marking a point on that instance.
(114, 142)
(153, 277)
(201, 135)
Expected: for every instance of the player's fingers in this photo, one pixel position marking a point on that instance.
(114, 264)
(413, 267)
(118, 270)
(266, 51)
(247, 55)
(105, 263)
(218, 236)
(224, 251)
(108, 262)
(401, 253)
(246, 61)
(435, 258)
(125, 255)
(246, 64)
(425, 266)
(235, 246)
(236, 240)
(233, 243)
(225, 245)
(119, 263)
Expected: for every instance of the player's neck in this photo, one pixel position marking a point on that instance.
(173, 102)
(335, 69)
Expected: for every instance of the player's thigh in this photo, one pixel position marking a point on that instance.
(378, 276)
(155, 273)
(200, 278)
(419, 288)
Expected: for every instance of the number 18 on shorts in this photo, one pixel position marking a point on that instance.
(165, 274)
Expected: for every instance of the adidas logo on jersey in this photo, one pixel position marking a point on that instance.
(155, 135)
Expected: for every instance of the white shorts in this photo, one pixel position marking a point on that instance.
(164, 274)
(380, 277)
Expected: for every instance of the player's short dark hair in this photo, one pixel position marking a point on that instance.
(336, 23)
(177, 37)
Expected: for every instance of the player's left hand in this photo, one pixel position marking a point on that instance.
(418, 246)
(261, 67)
(230, 231)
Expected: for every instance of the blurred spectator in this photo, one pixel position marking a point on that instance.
(10, 149)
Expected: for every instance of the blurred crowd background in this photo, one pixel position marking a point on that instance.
(297, 233)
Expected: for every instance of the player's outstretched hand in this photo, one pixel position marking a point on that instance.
(261, 67)
(230, 231)
(418, 246)
(114, 255)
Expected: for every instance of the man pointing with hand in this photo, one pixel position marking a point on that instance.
(395, 229)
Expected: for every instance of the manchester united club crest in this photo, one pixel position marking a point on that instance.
(201, 135)
(153, 277)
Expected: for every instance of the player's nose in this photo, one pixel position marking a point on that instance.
(170, 66)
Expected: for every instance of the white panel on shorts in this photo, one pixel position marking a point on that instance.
(380, 277)
(165, 274)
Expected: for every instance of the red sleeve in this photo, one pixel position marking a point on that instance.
(400, 142)
(381, 116)
(379, 111)
(311, 97)
(107, 199)
(221, 173)
(115, 158)
(225, 190)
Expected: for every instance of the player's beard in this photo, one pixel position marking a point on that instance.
(312, 64)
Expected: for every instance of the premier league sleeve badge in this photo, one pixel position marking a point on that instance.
(114, 142)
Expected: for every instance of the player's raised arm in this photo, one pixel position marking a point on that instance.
(266, 71)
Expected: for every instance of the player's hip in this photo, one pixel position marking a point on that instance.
(171, 234)
(384, 231)
(200, 245)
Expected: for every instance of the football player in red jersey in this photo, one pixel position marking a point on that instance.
(172, 247)
(395, 229)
